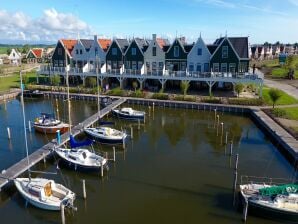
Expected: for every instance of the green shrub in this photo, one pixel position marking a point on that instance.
(278, 112)
(160, 96)
(138, 93)
(185, 98)
(116, 92)
(246, 101)
(211, 100)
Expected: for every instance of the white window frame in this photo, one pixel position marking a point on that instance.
(225, 51)
(224, 65)
(214, 66)
(232, 65)
(176, 51)
(133, 51)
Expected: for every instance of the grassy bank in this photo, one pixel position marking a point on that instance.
(285, 99)
(287, 113)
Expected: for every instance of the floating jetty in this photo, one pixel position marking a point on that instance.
(20, 167)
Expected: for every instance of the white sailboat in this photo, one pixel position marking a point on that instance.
(40, 192)
(79, 158)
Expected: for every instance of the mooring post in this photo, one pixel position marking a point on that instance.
(114, 154)
(131, 132)
(29, 126)
(144, 119)
(58, 137)
(123, 143)
(149, 110)
(217, 119)
(222, 126)
(107, 156)
(44, 158)
(245, 208)
(231, 148)
(227, 133)
(153, 107)
(84, 190)
(214, 113)
(8, 133)
(101, 170)
(62, 213)
(235, 178)
(139, 124)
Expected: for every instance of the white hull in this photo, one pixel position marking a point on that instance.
(106, 135)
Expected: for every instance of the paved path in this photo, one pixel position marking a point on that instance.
(284, 87)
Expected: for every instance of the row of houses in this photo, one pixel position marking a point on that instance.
(270, 51)
(154, 56)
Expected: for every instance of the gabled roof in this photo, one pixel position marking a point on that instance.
(37, 52)
(182, 44)
(162, 42)
(142, 44)
(69, 44)
(212, 48)
(123, 44)
(86, 43)
(240, 45)
(188, 47)
(104, 43)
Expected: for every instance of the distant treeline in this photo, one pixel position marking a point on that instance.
(6, 48)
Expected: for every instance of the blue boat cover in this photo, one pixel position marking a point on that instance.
(75, 144)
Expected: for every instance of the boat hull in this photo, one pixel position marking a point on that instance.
(128, 117)
(104, 140)
(51, 129)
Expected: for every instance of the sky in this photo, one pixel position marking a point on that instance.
(40, 21)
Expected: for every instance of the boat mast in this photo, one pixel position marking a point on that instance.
(24, 122)
(68, 99)
(98, 92)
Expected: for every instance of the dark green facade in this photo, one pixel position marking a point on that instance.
(58, 58)
(174, 62)
(114, 61)
(133, 61)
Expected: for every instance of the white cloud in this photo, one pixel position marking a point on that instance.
(51, 26)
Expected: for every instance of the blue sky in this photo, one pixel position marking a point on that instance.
(40, 21)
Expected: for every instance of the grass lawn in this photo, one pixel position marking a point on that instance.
(8, 82)
(282, 72)
(285, 99)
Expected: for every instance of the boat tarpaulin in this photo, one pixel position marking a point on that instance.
(282, 189)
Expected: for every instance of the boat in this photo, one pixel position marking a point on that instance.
(39, 192)
(273, 201)
(44, 193)
(47, 123)
(128, 113)
(106, 135)
(32, 94)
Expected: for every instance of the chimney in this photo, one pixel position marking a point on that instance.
(153, 37)
(95, 38)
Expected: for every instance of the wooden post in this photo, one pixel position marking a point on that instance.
(62, 213)
(114, 154)
(139, 124)
(29, 126)
(131, 132)
(84, 190)
(231, 148)
(107, 155)
(227, 133)
(214, 113)
(144, 118)
(235, 178)
(222, 125)
(8, 133)
(123, 143)
(153, 107)
(149, 110)
(101, 170)
(245, 208)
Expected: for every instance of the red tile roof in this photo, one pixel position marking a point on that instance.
(104, 43)
(37, 52)
(161, 42)
(69, 44)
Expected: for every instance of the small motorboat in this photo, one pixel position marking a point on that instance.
(32, 94)
(46, 123)
(81, 159)
(45, 194)
(106, 135)
(274, 201)
(129, 113)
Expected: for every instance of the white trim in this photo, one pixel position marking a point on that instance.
(226, 38)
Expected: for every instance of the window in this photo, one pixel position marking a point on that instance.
(148, 65)
(114, 51)
(134, 65)
(96, 51)
(120, 63)
(243, 67)
(127, 65)
(140, 64)
(81, 51)
(215, 67)
(109, 63)
(77, 51)
(133, 51)
(206, 67)
(61, 63)
(225, 50)
(153, 65)
(59, 51)
(55, 63)
(160, 65)
(232, 67)
(191, 67)
(114, 65)
(183, 66)
(199, 51)
(223, 67)
(199, 67)
(154, 51)
(176, 51)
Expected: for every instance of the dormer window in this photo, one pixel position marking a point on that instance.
(154, 51)
(176, 51)
(199, 51)
(114, 51)
(225, 51)
(133, 51)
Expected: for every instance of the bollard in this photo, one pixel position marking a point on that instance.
(58, 137)
(231, 148)
(84, 190)
(153, 107)
(245, 208)
(107, 155)
(8, 133)
(101, 170)
(139, 124)
(114, 154)
(62, 213)
(29, 126)
(131, 132)
(227, 133)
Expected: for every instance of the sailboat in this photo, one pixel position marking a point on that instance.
(104, 134)
(48, 124)
(272, 200)
(40, 192)
(128, 113)
(75, 157)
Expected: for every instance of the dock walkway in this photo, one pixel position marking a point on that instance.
(20, 167)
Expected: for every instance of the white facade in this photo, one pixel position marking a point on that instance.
(198, 59)
(79, 55)
(96, 53)
(15, 57)
(154, 57)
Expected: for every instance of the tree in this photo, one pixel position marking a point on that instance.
(290, 62)
(8, 51)
(55, 80)
(239, 88)
(91, 82)
(135, 85)
(184, 85)
(274, 95)
(25, 49)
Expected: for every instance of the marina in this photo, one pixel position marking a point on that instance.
(177, 161)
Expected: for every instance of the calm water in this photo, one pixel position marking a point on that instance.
(175, 170)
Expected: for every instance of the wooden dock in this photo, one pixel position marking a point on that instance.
(17, 169)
